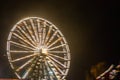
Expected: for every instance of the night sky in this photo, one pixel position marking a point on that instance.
(90, 28)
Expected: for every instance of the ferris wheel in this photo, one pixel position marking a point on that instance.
(37, 50)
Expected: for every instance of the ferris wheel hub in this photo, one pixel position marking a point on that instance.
(42, 51)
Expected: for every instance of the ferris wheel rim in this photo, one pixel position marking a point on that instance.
(13, 29)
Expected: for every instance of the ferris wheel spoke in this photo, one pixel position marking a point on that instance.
(25, 64)
(57, 57)
(40, 34)
(48, 34)
(18, 44)
(43, 31)
(37, 64)
(44, 34)
(30, 31)
(52, 70)
(57, 47)
(57, 52)
(57, 64)
(26, 35)
(27, 72)
(27, 44)
(42, 70)
(34, 29)
(23, 39)
(57, 67)
(20, 34)
(47, 71)
(52, 37)
(40, 39)
(57, 61)
(18, 59)
(15, 51)
(59, 39)
(39, 29)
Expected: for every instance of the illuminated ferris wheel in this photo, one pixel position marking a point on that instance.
(37, 50)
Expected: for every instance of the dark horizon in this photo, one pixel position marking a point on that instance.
(88, 26)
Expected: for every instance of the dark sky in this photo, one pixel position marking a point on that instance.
(87, 25)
